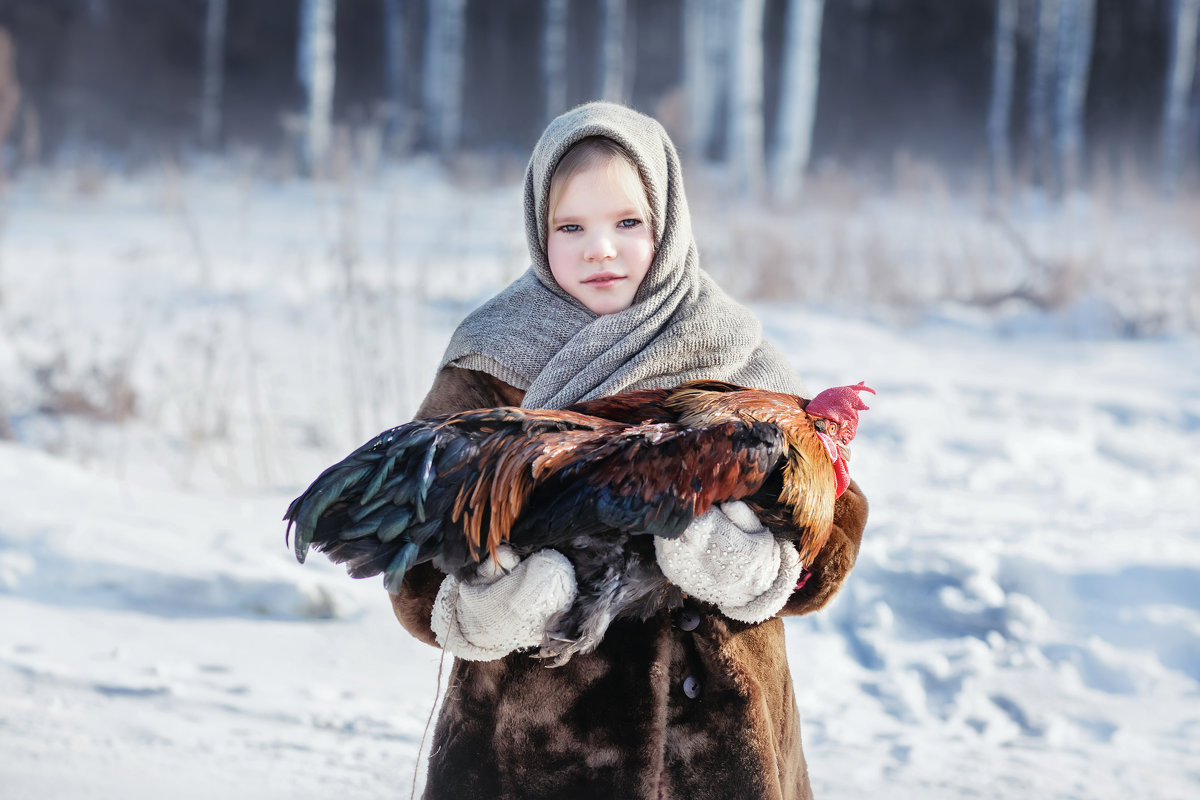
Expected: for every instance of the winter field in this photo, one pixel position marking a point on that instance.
(182, 352)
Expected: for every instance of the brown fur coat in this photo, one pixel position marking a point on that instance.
(684, 705)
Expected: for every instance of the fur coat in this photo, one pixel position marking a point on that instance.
(688, 704)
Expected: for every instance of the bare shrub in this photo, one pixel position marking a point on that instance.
(834, 190)
(101, 393)
(918, 178)
(90, 178)
(7, 433)
(469, 170)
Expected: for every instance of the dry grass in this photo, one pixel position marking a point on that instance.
(918, 242)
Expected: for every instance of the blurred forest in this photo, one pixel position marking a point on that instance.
(970, 85)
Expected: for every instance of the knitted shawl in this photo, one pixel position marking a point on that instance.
(681, 325)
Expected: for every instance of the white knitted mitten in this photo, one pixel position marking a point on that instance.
(726, 557)
(505, 606)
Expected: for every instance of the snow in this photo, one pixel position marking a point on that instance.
(183, 352)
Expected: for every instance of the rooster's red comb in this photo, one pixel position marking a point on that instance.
(840, 404)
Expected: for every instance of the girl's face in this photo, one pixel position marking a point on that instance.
(599, 244)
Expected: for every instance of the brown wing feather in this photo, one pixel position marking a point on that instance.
(650, 478)
(487, 506)
(808, 487)
(690, 468)
(598, 474)
(641, 405)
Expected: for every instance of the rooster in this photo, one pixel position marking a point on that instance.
(589, 480)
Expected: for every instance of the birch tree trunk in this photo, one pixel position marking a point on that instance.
(1004, 60)
(798, 100)
(395, 59)
(1076, 31)
(315, 65)
(614, 67)
(705, 70)
(746, 160)
(554, 58)
(213, 73)
(1041, 85)
(10, 92)
(1180, 73)
(443, 79)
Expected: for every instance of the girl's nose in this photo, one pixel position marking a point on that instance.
(600, 248)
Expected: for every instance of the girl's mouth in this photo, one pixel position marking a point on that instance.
(602, 280)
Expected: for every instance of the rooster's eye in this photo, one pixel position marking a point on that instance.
(826, 426)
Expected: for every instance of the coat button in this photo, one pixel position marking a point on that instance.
(688, 619)
(691, 687)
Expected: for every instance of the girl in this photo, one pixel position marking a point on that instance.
(696, 703)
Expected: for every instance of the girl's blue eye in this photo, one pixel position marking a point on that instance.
(569, 228)
(629, 223)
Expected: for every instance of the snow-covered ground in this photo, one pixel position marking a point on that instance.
(182, 353)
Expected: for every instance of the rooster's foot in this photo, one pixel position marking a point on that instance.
(558, 651)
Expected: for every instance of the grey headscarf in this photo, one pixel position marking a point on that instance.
(681, 325)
